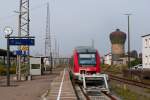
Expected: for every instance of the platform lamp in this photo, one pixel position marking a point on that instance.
(8, 31)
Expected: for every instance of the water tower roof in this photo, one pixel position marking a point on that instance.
(118, 37)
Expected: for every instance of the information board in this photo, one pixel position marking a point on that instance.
(21, 42)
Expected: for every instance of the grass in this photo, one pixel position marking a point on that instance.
(127, 94)
(147, 91)
(114, 69)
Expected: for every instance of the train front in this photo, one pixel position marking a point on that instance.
(89, 62)
(88, 66)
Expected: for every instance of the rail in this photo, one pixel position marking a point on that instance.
(86, 95)
(131, 82)
(109, 95)
(105, 93)
(73, 84)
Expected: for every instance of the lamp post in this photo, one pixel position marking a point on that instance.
(8, 31)
(128, 15)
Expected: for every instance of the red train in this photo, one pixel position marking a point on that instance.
(85, 67)
(85, 60)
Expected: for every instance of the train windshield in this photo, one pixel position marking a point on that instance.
(87, 59)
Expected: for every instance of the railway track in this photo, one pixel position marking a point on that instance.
(110, 96)
(82, 94)
(130, 82)
(96, 95)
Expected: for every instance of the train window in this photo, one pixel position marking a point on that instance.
(87, 59)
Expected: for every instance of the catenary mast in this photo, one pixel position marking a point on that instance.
(48, 46)
(23, 31)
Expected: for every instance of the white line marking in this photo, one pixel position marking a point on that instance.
(60, 88)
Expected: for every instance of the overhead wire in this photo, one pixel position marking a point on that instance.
(13, 15)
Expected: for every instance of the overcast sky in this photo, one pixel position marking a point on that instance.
(77, 22)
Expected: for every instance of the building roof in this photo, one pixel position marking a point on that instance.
(145, 35)
(118, 37)
(4, 53)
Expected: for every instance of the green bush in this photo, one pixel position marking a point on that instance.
(3, 70)
(136, 62)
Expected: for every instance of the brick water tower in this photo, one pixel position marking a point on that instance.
(117, 39)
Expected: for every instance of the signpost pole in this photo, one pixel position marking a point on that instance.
(8, 31)
(19, 67)
(8, 62)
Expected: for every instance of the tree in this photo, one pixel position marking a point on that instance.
(136, 62)
(134, 54)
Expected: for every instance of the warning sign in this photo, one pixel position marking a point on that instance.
(24, 48)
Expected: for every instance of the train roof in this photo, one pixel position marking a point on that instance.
(85, 49)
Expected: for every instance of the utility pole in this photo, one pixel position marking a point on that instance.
(58, 53)
(128, 15)
(55, 48)
(23, 30)
(55, 61)
(58, 50)
(48, 44)
(92, 43)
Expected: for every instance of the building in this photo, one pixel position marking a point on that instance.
(3, 56)
(123, 60)
(117, 39)
(108, 59)
(146, 51)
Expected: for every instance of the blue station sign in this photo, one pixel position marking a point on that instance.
(19, 52)
(21, 42)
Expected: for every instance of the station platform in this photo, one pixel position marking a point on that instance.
(61, 88)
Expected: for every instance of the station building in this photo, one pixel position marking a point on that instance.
(108, 59)
(3, 56)
(146, 51)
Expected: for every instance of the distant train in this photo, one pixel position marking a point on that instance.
(85, 60)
